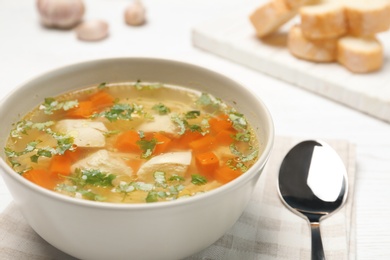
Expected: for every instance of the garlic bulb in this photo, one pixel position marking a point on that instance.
(93, 30)
(135, 14)
(63, 14)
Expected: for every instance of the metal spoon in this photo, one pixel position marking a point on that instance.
(313, 184)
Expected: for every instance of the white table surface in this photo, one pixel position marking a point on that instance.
(27, 50)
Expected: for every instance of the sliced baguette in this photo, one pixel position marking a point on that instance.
(367, 17)
(297, 3)
(271, 16)
(312, 50)
(360, 54)
(324, 20)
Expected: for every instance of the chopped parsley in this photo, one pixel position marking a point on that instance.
(244, 158)
(51, 104)
(238, 120)
(180, 123)
(176, 178)
(237, 165)
(198, 179)
(76, 191)
(192, 114)
(161, 109)
(47, 152)
(147, 146)
(126, 188)
(64, 142)
(23, 126)
(152, 197)
(183, 125)
(205, 100)
(31, 146)
(102, 85)
(83, 177)
(117, 112)
(195, 128)
(159, 179)
(242, 136)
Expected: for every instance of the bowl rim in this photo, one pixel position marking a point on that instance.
(242, 179)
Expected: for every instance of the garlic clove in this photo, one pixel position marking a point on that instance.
(93, 30)
(135, 14)
(63, 14)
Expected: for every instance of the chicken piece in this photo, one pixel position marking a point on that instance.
(159, 124)
(105, 162)
(86, 133)
(174, 163)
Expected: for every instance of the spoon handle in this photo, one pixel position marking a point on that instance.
(317, 250)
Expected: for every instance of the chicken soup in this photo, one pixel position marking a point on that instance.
(132, 142)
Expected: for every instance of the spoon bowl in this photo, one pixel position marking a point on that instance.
(313, 183)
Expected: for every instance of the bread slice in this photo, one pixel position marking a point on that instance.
(312, 50)
(271, 16)
(297, 3)
(367, 17)
(324, 20)
(360, 54)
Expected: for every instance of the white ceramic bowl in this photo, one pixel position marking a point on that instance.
(167, 230)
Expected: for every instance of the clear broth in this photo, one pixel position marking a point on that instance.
(132, 142)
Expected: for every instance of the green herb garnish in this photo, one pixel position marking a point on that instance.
(176, 178)
(243, 157)
(159, 179)
(74, 190)
(242, 136)
(161, 109)
(184, 125)
(198, 179)
(23, 126)
(152, 197)
(180, 123)
(192, 114)
(102, 85)
(51, 104)
(147, 146)
(117, 112)
(238, 120)
(94, 177)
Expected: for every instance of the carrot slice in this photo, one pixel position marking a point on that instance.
(203, 144)
(60, 164)
(183, 141)
(83, 110)
(73, 155)
(134, 164)
(226, 174)
(101, 99)
(217, 124)
(163, 143)
(207, 162)
(41, 177)
(127, 142)
(225, 137)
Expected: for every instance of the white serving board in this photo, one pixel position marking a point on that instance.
(233, 37)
